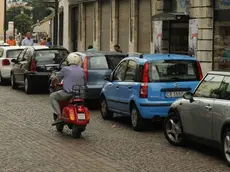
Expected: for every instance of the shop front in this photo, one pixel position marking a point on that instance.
(221, 46)
(174, 30)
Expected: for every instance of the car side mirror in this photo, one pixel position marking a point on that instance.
(107, 78)
(14, 61)
(188, 96)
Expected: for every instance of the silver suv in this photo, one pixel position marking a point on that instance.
(203, 116)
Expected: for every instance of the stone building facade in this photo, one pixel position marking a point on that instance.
(177, 26)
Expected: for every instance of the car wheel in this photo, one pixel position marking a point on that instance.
(138, 122)
(28, 86)
(12, 81)
(173, 129)
(226, 145)
(105, 112)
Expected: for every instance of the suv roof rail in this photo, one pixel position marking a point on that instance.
(140, 55)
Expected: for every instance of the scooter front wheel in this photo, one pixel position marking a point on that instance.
(76, 131)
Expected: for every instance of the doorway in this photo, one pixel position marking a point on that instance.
(178, 37)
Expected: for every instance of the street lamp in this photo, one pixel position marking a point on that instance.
(22, 12)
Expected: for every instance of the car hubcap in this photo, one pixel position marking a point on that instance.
(26, 84)
(134, 117)
(227, 146)
(103, 108)
(173, 129)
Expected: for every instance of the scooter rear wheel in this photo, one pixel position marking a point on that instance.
(76, 132)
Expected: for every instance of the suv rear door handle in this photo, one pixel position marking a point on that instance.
(117, 86)
(129, 87)
(208, 107)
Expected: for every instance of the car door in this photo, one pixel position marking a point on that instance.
(113, 93)
(127, 87)
(16, 66)
(197, 114)
(221, 108)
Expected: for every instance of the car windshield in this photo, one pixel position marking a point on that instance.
(50, 56)
(173, 70)
(13, 53)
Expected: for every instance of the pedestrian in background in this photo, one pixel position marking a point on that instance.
(90, 48)
(117, 48)
(48, 43)
(11, 41)
(27, 41)
(43, 42)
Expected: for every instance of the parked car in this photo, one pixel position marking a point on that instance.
(33, 65)
(144, 87)
(203, 115)
(6, 55)
(96, 65)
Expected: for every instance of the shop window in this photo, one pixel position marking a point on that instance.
(222, 45)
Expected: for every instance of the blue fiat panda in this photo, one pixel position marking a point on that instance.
(145, 86)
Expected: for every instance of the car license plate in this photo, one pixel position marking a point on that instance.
(175, 94)
(81, 116)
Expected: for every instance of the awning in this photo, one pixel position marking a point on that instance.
(170, 16)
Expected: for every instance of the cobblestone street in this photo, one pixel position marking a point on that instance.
(28, 142)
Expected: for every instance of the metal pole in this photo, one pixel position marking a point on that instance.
(5, 23)
(56, 23)
(14, 23)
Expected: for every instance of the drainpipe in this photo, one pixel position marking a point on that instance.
(213, 32)
(5, 23)
(56, 23)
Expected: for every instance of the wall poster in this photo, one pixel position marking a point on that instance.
(193, 36)
(157, 37)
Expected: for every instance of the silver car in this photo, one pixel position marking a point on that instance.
(203, 116)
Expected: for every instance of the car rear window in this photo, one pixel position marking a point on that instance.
(173, 70)
(13, 53)
(104, 62)
(50, 56)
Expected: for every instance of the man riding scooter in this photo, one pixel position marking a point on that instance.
(71, 75)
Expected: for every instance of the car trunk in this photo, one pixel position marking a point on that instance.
(99, 66)
(170, 79)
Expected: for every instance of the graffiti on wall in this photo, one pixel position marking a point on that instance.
(222, 4)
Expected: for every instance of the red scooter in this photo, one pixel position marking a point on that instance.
(74, 113)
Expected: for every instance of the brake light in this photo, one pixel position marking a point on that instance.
(5, 62)
(145, 80)
(85, 67)
(199, 70)
(33, 65)
(81, 108)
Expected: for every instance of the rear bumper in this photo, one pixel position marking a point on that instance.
(5, 72)
(154, 109)
(93, 91)
(39, 80)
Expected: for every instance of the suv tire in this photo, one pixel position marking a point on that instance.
(28, 86)
(105, 112)
(12, 81)
(138, 123)
(173, 129)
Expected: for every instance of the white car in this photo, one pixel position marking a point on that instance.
(6, 55)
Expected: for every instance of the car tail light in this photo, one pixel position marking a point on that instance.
(5, 62)
(85, 67)
(145, 80)
(199, 70)
(33, 65)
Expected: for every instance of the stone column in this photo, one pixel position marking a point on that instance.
(133, 42)
(81, 27)
(114, 24)
(97, 25)
(202, 10)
